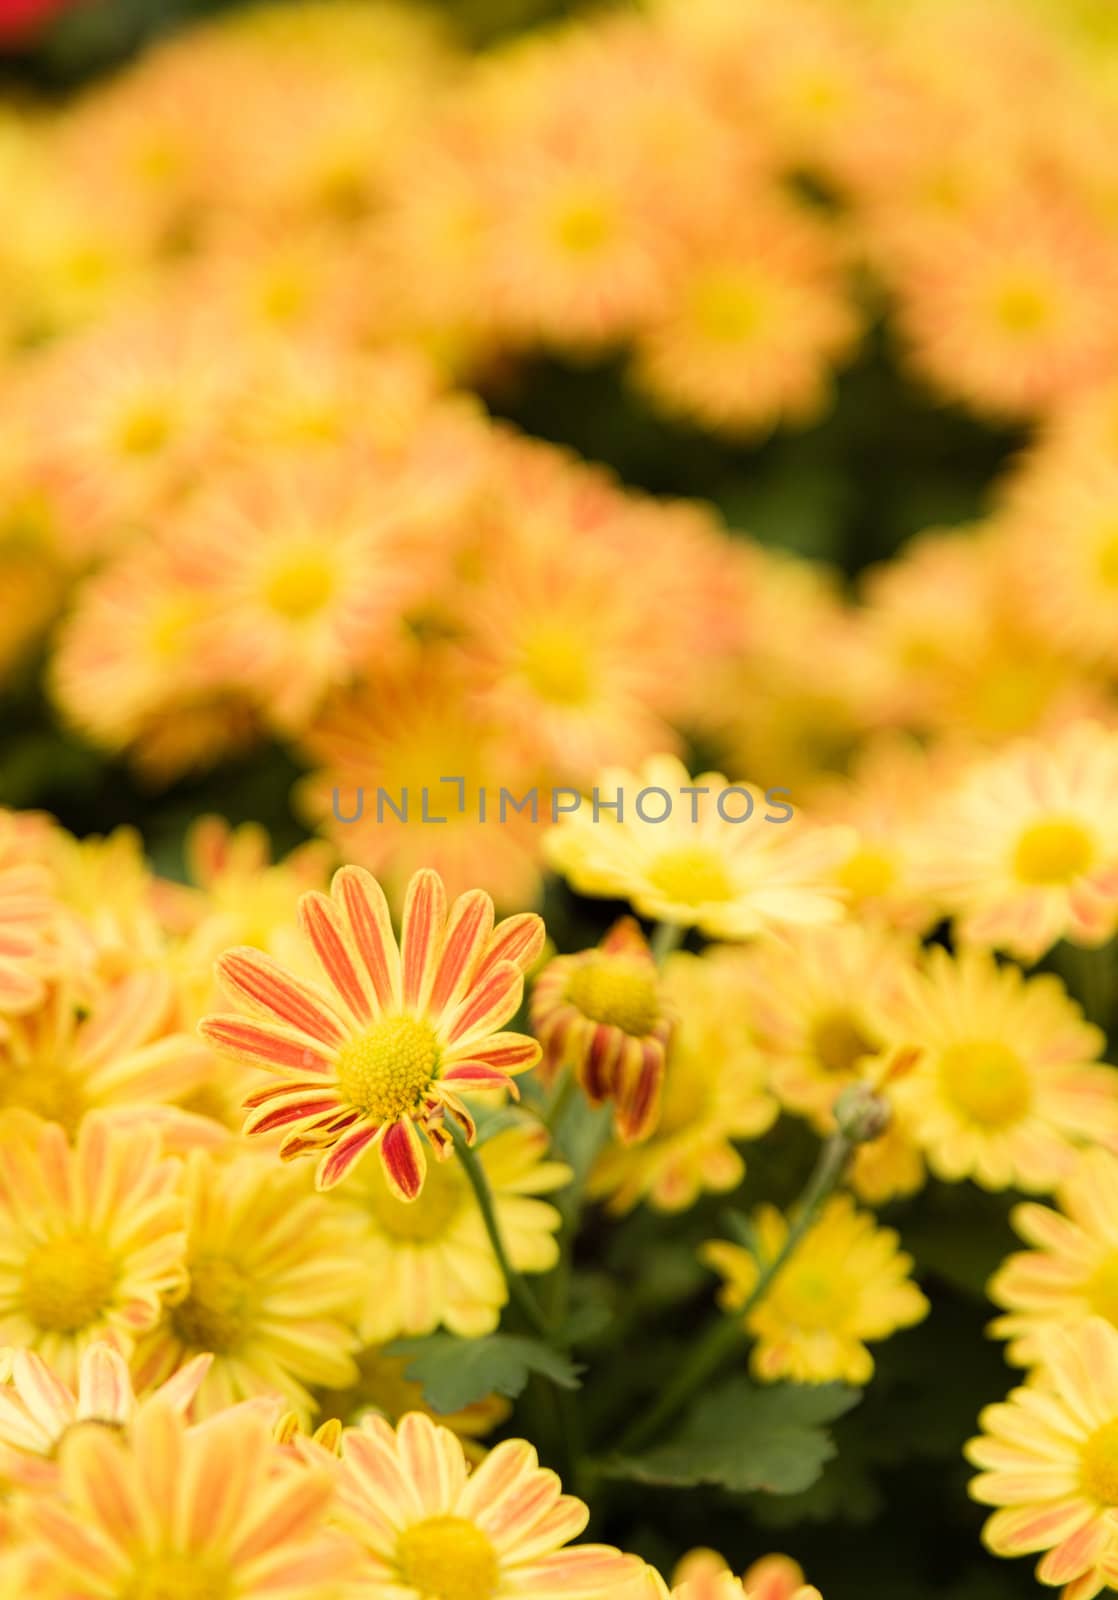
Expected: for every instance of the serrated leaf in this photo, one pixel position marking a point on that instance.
(455, 1372)
(747, 1439)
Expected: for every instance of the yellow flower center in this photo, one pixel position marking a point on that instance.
(584, 225)
(839, 1041)
(168, 627)
(691, 875)
(385, 1071)
(1098, 1465)
(986, 1081)
(68, 1282)
(557, 665)
(425, 1218)
(44, 1088)
(1053, 852)
(868, 872)
(621, 993)
(284, 295)
(810, 1297)
(143, 429)
(300, 584)
(728, 308)
(448, 1558)
(171, 1576)
(1108, 558)
(1023, 306)
(214, 1315)
(1102, 1289)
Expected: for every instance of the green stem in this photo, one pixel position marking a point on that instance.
(666, 937)
(724, 1335)
(519, 1292)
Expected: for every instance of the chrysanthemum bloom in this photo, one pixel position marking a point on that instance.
(1071, 1271)
(602, 1014)
(704, 1575)
(429, 1527)
(91, 1237)
(406, 1029)
(846, 1285)
(26, 913)
(754, 324)
(704, 1108)
(1008, 1084)
(391, 753)
(1025, 850)
(269, 1288)
(728, 878)
(38, 1410)
(1049, 1458)
(383, 1386)
(215, 1510)
(430, 1261)
(73, 1055)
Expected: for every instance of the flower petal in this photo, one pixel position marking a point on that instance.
(268, 988)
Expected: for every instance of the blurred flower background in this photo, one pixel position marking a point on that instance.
(491, 403)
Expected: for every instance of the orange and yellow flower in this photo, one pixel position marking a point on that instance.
(405, 1031)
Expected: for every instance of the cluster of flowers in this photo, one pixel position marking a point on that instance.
(219, 341)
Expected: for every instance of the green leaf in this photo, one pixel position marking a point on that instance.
(456, 1372)
(746, 1439)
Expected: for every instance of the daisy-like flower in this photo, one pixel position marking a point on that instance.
(1071, 1271)
(704, 1109)
(430, 1261)
(1024, 850)
(428, 1527)
(1008, 1084)
(1048, 1457)
(91, 1237)
(846, 1285)
(705, 1575)
(269, 1288)
(38, 1410)
(728, 872)
(68, 1058)
(602, 1014)
(406, 1030)
(26, 913)
(215, 1510)
(754, 324)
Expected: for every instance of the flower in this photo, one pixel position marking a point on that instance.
(712, 862)
(1024, 849)
(430, 1261)
(269, 1288)
(91, 1237)
(1071, 1272)
(429, 1527)
(1007, 1086)
(715, 1093)
(406, 1030)
(38, 1410)
(167, 1509)
(26, 914)
(602, 1014)
(846, 1284)
(1048, 1457)
(704, 1575)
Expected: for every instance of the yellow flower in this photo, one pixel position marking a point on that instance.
(1071, 1272)
(729, 872)
(91, 1237)
(1008, 1085)
(705, 1575)
(600, 1014)
(26, 913)
(211, 1511)
(1049, 1458)
(430, 1527)
(1024, 850)
(846, 1284)
(271, 1288)
(429, 1261)
(714, 1093)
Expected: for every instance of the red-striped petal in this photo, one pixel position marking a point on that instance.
(345, 1154)
(517, 939)
(637, 1109)
(267, 987)
(420, 932)
(405, 1165)
(267, 1119)
(473, 1075)
(370, 923)
(506, 1052)
(322, 923)
(467, 934)
(488, 1004)
(266, 1045)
